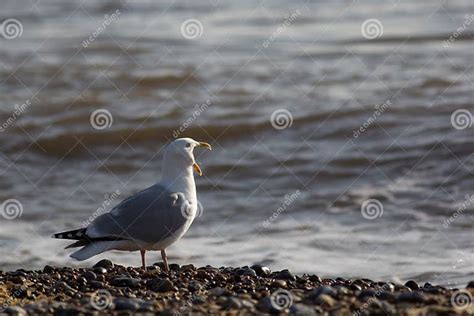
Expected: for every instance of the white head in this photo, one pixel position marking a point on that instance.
(180, 153)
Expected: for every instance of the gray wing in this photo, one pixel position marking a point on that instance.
(151, 215)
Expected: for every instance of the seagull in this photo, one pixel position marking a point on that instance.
(150, 220)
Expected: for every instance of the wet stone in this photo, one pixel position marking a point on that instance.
(387, 296)
(232, 303)
(411, 297)
(342, 290)
(412, 285)
(279, 284)
(315, 278)
(99, 270)
(218, 291)
(122, 281)
(261, 271)
(303, 310)
(15, 310)
(325, 301)
(188, 268)
(246, 271)
(127, 303)
(194, 286)
(89, 275)
(366, 293)
(174, 267)
(355, 287)
(104, 263)
(326, 290)
(161, 285)
(284, 275)
(96, 284)
(265, 305)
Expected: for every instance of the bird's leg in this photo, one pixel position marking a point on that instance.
(142, 253)
(165, 260)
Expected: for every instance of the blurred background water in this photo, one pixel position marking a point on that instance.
(358, 114)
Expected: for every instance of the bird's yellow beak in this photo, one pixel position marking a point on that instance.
(197, 169)
(195, 165)
(203, 144)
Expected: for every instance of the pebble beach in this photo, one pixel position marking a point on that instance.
(107, 288)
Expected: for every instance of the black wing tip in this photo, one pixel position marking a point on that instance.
(72, 234)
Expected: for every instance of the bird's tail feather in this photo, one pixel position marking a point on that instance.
(92, 249)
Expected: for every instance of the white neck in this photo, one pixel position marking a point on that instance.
(179, 179)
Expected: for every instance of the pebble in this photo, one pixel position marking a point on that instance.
(279, 284)
(104, 263)
(99, 270)
(123, 281)
(217, 291)
(188, 268)
(366, 293)
(161, 285)
(209, 290)
(232, 303)
(303, 310)
(89, 275)
(127, 303)
(326, 290)
(194, 286)
(265, 305)
(96, 284)
(246, 271)
(412, 297)
(48, 269)
(284, 275)
(15, 310)
(174, 267)
(261, 271)
(412, 285)
(325, 301)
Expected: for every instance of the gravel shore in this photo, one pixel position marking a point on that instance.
(113, 289)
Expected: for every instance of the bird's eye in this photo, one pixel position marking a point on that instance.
(188, 144)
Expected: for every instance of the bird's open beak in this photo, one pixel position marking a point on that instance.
(197, 169)
(203, 144)
(195, 165)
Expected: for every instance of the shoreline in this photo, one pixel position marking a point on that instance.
(107, 288)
